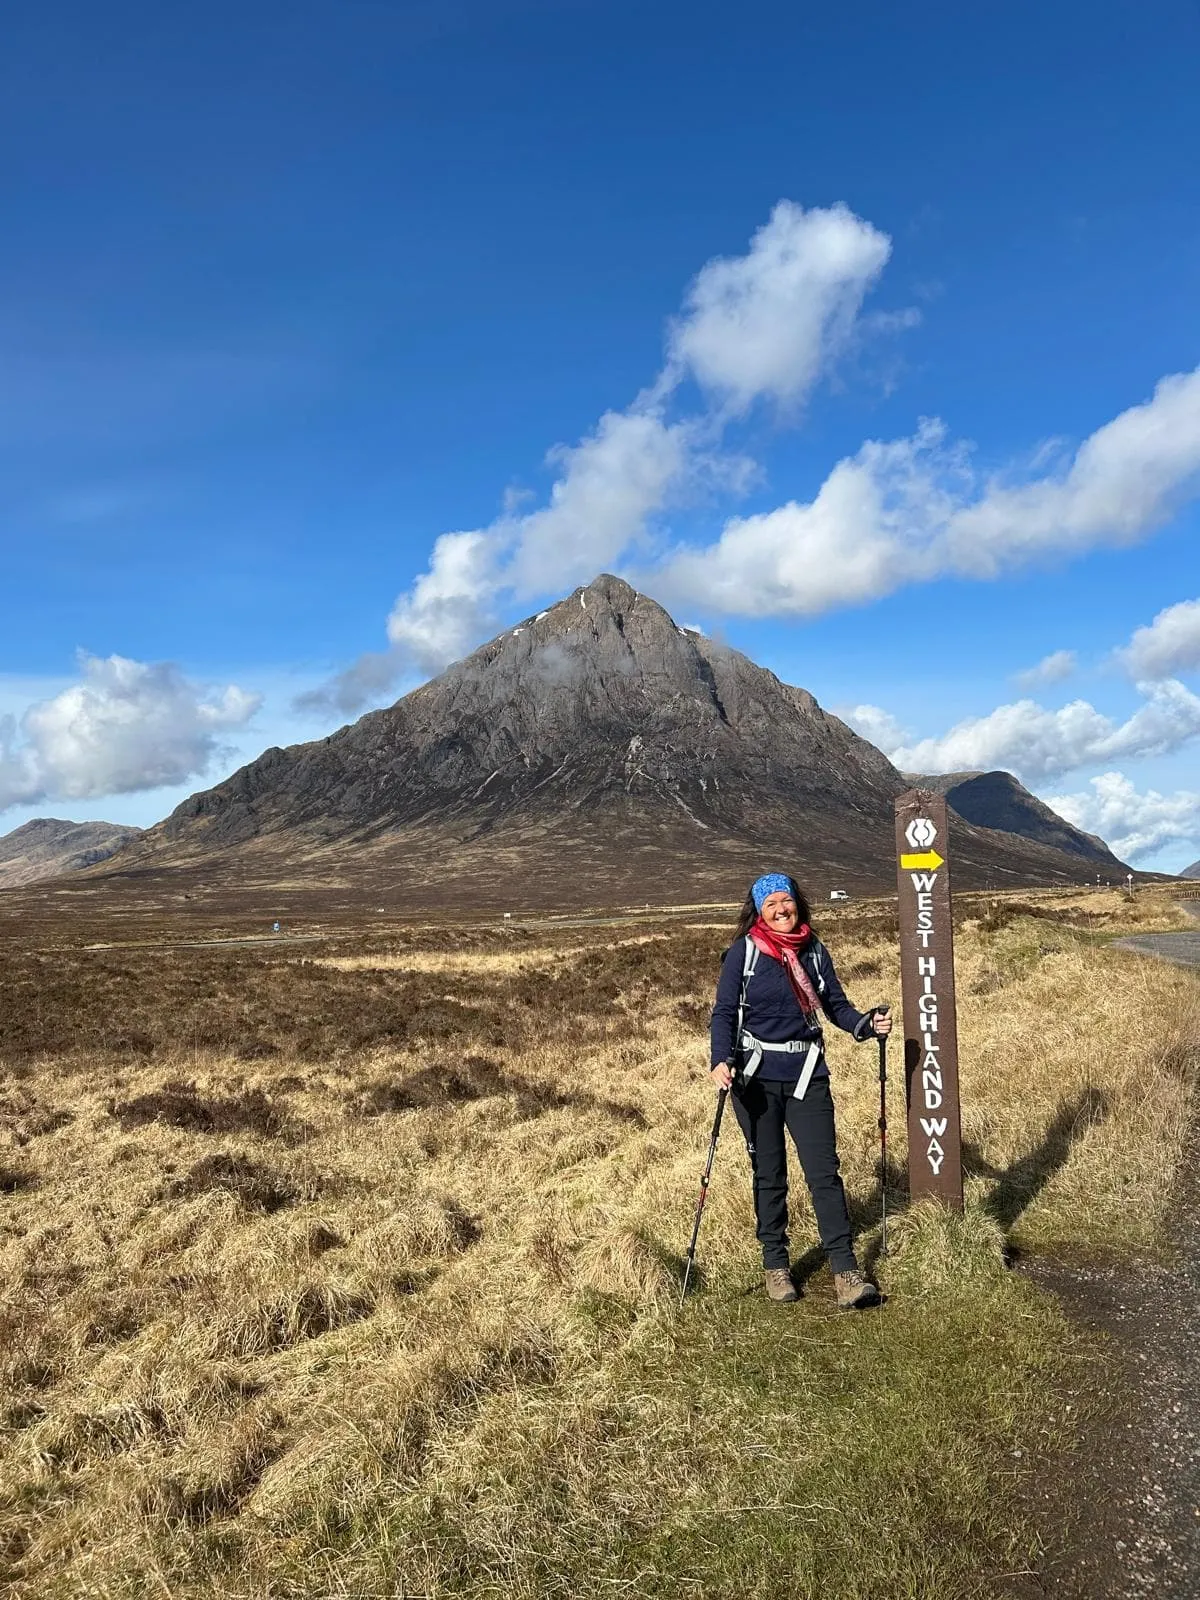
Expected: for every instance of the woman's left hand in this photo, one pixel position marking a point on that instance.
(881, 1022)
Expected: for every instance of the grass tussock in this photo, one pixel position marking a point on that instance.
(258, 1187)
(932, 1250)
(359, 1275)
(183, 1105)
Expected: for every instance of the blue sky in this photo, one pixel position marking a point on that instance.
(288, 291)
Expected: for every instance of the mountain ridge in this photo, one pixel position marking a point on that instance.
(997, 799)
(48, 847)
(596, 751)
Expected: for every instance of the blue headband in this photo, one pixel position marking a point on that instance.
(769, 883)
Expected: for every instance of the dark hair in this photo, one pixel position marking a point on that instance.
(749, 912)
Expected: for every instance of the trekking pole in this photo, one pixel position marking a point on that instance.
(722, 1096)
(883, 1169)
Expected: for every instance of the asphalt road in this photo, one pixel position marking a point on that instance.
(1181, 948)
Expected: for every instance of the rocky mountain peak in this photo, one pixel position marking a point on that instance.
(594, 735)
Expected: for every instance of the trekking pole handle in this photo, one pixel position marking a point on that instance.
(882, 1038)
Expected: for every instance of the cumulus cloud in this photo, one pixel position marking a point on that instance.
(912, 510)
(126, 726)
(364, 680)
(765, 325)
(1036, 743)
(1169, 645)
(1126, 479)
(846, 546)
(610, 485)
(1050, 669)
(877, 726)
(441, 616)
(1135, 824)
(769, 323)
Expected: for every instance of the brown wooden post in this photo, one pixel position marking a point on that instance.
(927, 985)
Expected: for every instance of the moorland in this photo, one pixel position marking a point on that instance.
(346, 1262)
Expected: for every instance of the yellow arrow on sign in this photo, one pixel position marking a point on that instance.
(929, 860)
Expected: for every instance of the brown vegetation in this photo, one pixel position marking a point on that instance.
(351, 1268)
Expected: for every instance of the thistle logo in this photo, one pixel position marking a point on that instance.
(920, 833)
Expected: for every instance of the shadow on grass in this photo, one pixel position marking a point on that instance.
(1018, 1186)
(1015, 1187)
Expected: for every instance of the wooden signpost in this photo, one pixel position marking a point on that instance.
(927, 985)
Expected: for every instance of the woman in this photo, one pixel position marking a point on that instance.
(776, 980)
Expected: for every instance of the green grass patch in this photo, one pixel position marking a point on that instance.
(737, 1450)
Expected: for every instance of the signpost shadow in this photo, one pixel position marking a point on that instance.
(1018, 1185)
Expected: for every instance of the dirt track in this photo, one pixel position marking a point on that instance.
(1125, 1523)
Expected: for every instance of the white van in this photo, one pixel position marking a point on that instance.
(838, 894)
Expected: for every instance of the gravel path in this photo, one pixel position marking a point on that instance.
(1125, 1522)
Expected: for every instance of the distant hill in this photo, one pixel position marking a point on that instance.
(998, 800)
(1191, 872)
(48, 847)
(597, 753)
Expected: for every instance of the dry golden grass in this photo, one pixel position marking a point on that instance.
(399, 1316)
(520, 957)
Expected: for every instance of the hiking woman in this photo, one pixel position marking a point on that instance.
(776, 980)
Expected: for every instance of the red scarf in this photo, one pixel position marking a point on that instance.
(785, 948)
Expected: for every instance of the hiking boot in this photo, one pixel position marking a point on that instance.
(854, 1292)
(779, 1284)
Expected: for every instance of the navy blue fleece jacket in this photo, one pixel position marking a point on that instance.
(773, 1013)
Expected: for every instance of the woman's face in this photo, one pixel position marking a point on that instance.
(779, 912)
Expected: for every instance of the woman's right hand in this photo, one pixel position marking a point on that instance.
(722, 1075)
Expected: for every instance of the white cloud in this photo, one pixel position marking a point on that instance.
(877, 726)
(768, 323)
(763, 325)
(126, 726)
(1054, 668)
(844, 547)
(1134, 824)
(912, 510)
(1169, 645)
(1035, 743)
(609, 487)
(1127, 478)
(440, 618)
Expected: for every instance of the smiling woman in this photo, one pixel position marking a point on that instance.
(768, 1049)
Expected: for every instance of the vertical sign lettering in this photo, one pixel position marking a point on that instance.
(927, 983)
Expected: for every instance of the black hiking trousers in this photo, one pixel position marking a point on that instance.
(764, 1108)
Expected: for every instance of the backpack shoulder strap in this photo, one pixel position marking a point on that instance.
(749, 963)
(749, 959)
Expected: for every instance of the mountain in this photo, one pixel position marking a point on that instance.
(595, 754)
(1191, 872)
(48, 847)
(998, 800)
